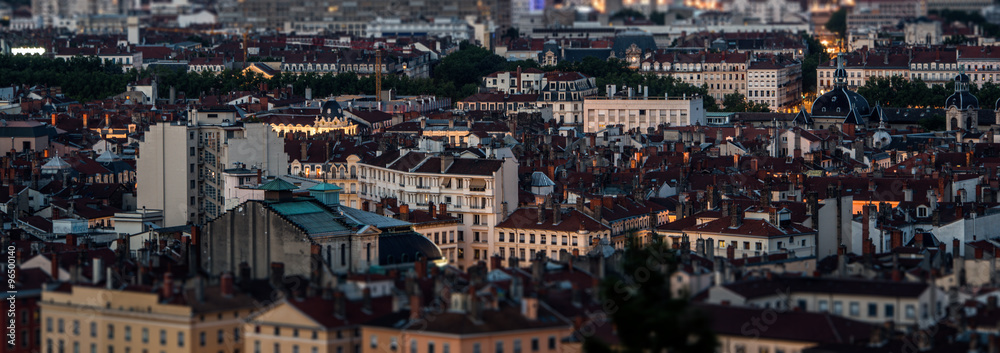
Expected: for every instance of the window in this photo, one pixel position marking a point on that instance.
(476, 348)
(93, 329)
(517, 346)
(256, 346)
(277, 348)
(802, 304)
(890, 310)
(295, 348)
(923, 311)
(374, 341)
(823, 306)
(501, 237)
(163, 337)
(48, 325)
(746, 245)
(413, 346)
(911, 311)
(552, 342)
(499, 347)
(145, 335)
(759, 246)
(838, 308)
(855, 309)
(430, 347)
(201, 338)
(76, 327)
(393, 344)
(534, 344)
(872, 310)
(446, 348)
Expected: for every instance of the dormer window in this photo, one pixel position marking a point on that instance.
(922, 211)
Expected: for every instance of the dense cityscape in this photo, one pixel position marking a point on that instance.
(500, 176)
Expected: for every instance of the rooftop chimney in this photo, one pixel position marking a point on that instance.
(226, 285)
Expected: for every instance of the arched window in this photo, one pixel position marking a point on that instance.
(343, 254)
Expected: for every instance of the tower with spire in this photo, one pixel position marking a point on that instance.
(962, 108)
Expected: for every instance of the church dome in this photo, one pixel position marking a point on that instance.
(332, 109)
(962, 99)
(840, 101)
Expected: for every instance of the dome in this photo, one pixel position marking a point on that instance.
(839, 102)
(962, 100)
(332, 109)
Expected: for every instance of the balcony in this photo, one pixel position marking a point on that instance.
(477, 189)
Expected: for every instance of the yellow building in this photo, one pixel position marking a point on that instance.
(468, 327)
(85, 319)
(321, 324)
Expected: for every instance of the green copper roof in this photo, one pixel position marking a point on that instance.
(325, 187)
(278, 185)
(311, 216)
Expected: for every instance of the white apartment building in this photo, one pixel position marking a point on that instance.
(642, 112)
(776, 82)
(480, 192)
(181, 169)
(562, 92)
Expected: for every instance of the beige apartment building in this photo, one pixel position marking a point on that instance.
(507, 328)
(776, 82)
(320, 324)
(641, 112)
(530, 231)
(82, 319)
(478, 191)
(913, 304)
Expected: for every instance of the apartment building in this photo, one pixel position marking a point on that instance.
(755, 232)
(862, 67)
(549, 231)
(341, 16)
(562, 92)
(912, 304)
(480, 192)
(469, 326)
(515, 82)
(174, 318)
(775, 81)
(181, 167)
(327, 323)
(641, 112)
(934, 66)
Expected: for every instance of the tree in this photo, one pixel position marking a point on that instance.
(628, 13)
(838, 22)
(736, 102)
(511, 33)
(647, 316)
(815, 56)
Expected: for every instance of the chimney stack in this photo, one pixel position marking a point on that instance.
(226, 285)
(168, 285)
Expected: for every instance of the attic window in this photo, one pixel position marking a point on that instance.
(921, 211)
(824, 109)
